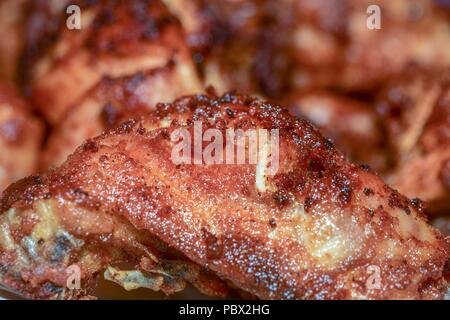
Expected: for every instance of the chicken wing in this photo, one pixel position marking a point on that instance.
(316, 228)
(20, 138)
(116, 39)
(114, 100)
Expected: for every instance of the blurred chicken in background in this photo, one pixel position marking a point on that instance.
(12, 20)
(380, 95)
(20, 138)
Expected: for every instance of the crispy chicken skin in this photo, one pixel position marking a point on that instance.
(20, 138)
(114, 100)
(117, 38)
(317, 229)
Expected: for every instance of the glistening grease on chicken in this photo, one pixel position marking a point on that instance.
(315, 230)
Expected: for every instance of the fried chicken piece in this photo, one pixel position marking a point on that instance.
(20, 138)
(116, 39)
(112, 101)
(271, 47)
(88, 242)
(351, 124)
(316, 229)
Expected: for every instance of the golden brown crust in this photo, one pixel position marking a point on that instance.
(312, 233)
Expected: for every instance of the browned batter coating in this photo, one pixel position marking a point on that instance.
(317, 229)
(20, 138)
